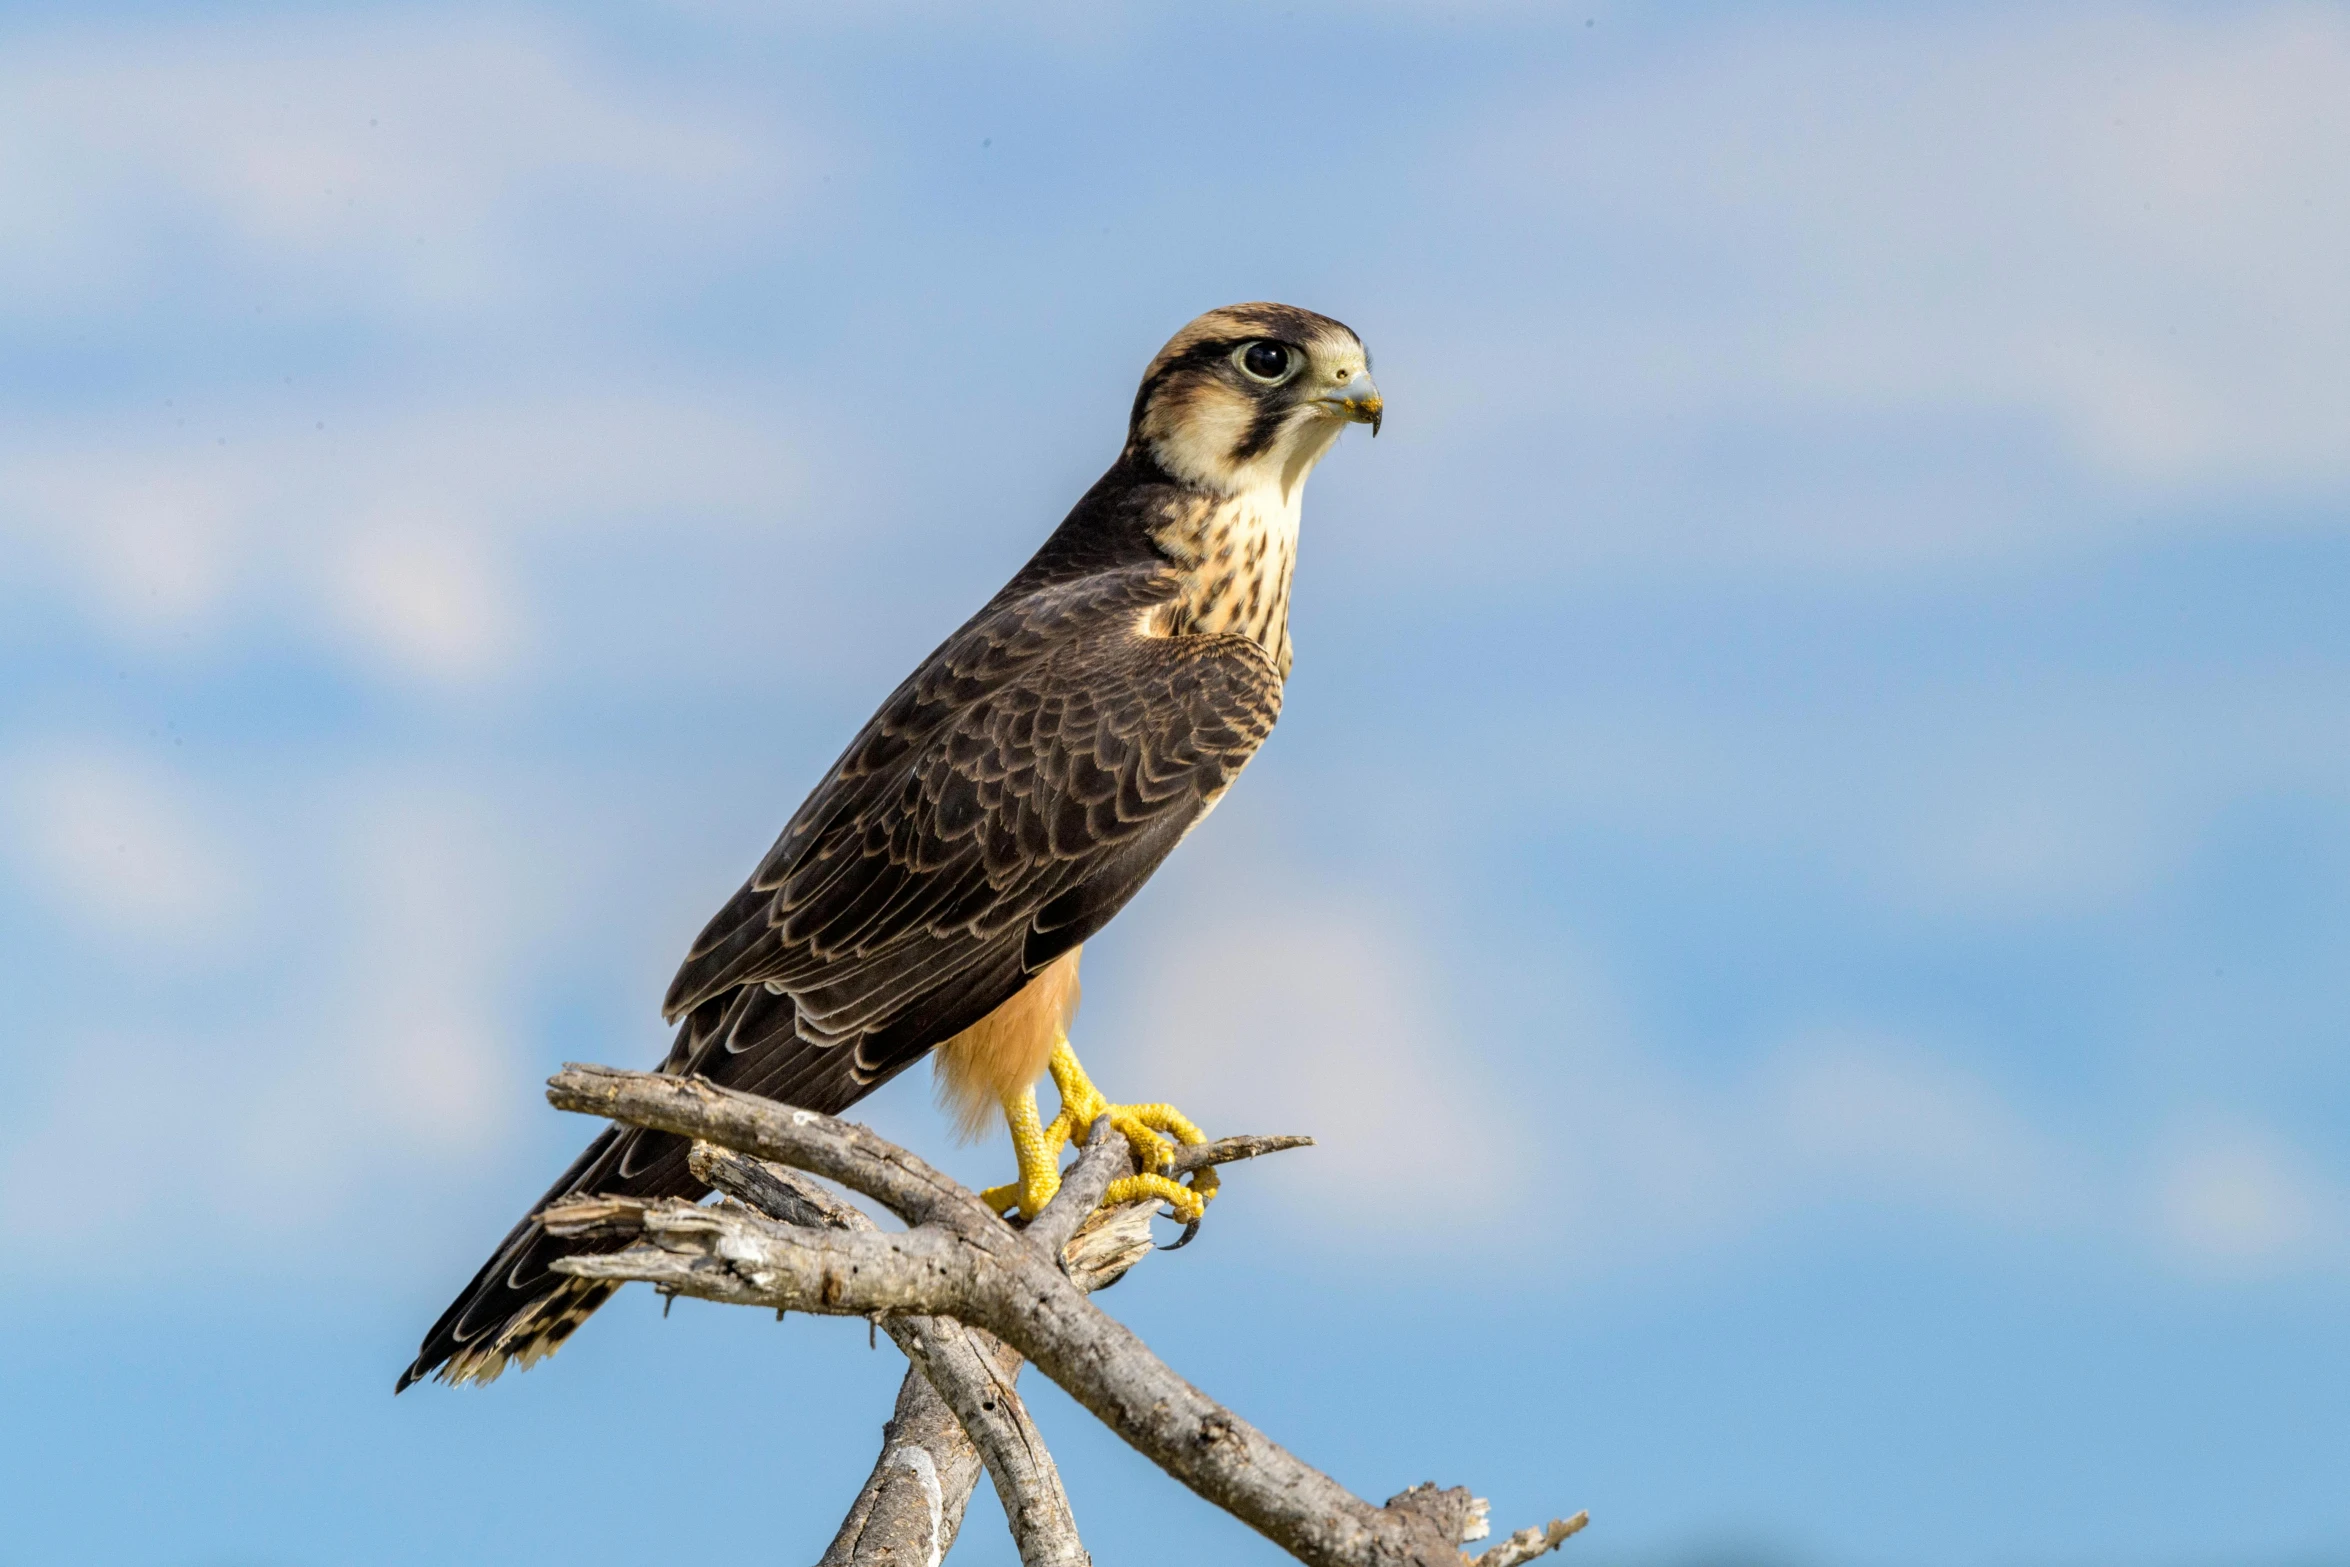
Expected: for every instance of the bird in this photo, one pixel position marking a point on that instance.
(933, 893)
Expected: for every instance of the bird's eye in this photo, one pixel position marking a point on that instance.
(1270, 363)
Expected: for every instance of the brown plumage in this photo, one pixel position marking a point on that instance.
(1003, 804)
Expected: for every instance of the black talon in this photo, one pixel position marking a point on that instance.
(1183, 1240)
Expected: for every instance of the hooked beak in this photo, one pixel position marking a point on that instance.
(1358, 401)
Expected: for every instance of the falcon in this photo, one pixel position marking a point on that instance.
(933, 893)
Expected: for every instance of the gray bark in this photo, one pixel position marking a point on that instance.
(957, 1411)
(911, 1507)
(960, 1260)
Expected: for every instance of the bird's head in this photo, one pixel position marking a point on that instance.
(1253, 394)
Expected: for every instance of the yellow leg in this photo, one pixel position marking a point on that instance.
(1037, 1148)
(1147, 1127)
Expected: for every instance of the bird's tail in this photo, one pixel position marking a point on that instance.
(518, 1310)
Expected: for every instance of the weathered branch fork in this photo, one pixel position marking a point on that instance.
(966, 1295)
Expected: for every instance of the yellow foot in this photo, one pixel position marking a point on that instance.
(1151, 1129)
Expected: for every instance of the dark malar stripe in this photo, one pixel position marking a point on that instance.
(1261, 432)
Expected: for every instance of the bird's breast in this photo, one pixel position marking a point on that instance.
(1233, 559)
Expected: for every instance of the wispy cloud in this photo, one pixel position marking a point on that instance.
(119, 844)
(407, 168)
(1998, 283)
(395, 538)
(2236, 1199)
(1651, 1160)
(377, 1040)
(1268, 1013)
(1602, 1149)
(394, 182)
(1852, 1112)
(1977, 285)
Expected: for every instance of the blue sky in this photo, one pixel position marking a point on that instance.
(1803, 885)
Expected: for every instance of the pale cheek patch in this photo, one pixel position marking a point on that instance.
(1194, 430)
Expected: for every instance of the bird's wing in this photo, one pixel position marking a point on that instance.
(1003, 804)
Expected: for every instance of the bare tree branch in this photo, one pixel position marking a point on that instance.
(973, 1374)
(837, 1150)
(912, 1503)
(911, 1507)
(956, 1410)
(1104, 1159)
(960, 1260)
(1231, 1150)
(1527, 1544)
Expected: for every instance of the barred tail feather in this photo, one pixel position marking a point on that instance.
(530, 1336)
(518, 1310)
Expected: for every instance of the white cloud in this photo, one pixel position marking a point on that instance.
(1935, 219)
(1265, 1014)
(2072, 798)
(2004, 280)
(1650, 1160)
(1260, 1011)
(155, 551)
(1834, 1120)
(425, 600)
(388, 538)
(393, 1056)
(402, 177)
(1644, 1157)
(118, 843)
(441, 912)
(397, 166)
(2240, 1199)
(1856, 1111)
(383, 1054)
(2033, 824)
